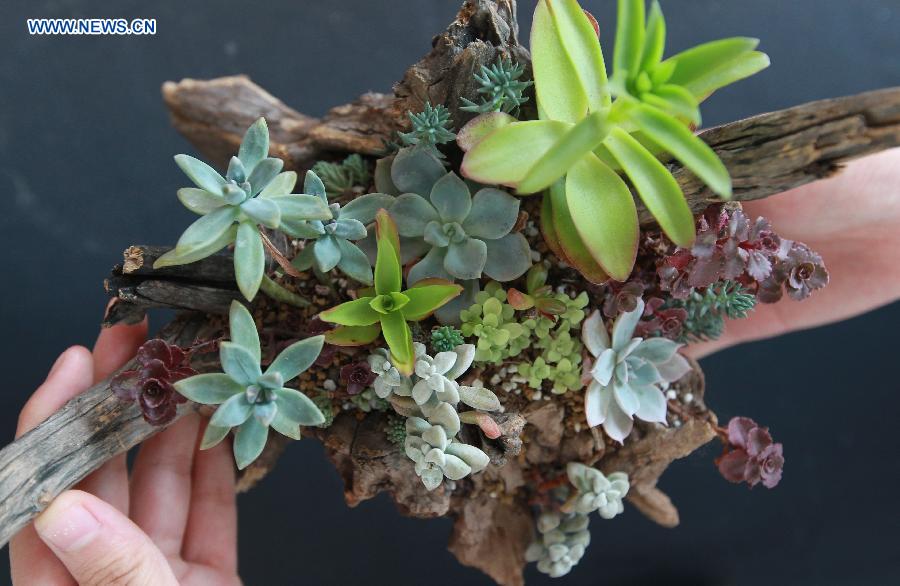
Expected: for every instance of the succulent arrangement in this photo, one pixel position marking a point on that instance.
(525, 352)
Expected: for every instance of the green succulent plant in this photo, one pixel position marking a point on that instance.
(706, 311)
(445, 339)
(561, 542)
(248, 398)
(329, 243)
(395, 429)
(583, 138)
(500, 88)
(341, 178)
(539, 296)
(253, 192)
(430, 128)
(389, 308)
(493, 322)
(627, 374)
(560, 358)
(596, 491)
(437, 455)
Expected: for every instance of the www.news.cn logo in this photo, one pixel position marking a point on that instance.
(91, 26)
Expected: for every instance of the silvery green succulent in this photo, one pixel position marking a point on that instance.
(253, 192)
(627, 374)
(430, 127)
(597, 492)
(250, 399)
(437, 455)
(329, 242)
(561, 542)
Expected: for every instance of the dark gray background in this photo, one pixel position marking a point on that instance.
(86, 170)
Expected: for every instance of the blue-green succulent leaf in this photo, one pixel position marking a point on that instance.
(298, 408)
(285, 426)
(239, 363)
(430, 267)
(263, 211)
(363, 208)
(212, 436)
(255, 145)
(200, 201)
(416, 170)
(313, 185)
(207, 230)
(450, 197)
(203, 176)
(507, 258)
(263, 174)
(307, 230)
(466, 260)
(233, 412)
(435, 236)
(249, 442)
(249, 259)
(355, 263)
(185, 256)
(209, 389)
(327, 253)
(283, 184)
(301, 207)
(297, 357)
(242, 329)
(412, 212)
(236, 171)
(349, 229)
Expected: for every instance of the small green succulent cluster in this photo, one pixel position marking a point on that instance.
(248, 398)
(445, 339)
(341, 178)
(395, 429)
(562, 526)
(429, 399)
(430, 127)
(500, 88)
(493, 322)
(559, 363)
(368, 401)
(323, 402)
(253, 193)
(706, 311)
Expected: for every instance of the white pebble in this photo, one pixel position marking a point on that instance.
(495, 380)
(329, 385)
(577, 427)
(671, 395)
(689, 398)
(537, 395)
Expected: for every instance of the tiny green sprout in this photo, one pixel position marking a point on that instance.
(540, 295)
(389, 308)
(500, 89)
(248, 398)
(253, 193)
(430, 128)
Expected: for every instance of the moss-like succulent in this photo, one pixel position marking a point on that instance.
(329, 243)
(706, 311)
(493, 322)
(584, 137)
(253, 192)
(250, 399)
(561, 542)
(395, 429)
(389, 308)
(595, 491)
(500, 88)
(430, 128)
(627, 374)
(341, 178)
(445, 339)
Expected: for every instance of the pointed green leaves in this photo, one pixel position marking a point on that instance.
(296, 358)
(705, 68)
(255, 145)
(685, 146)
(298, 408)
(188, 255)
(358, 312)
(656, 186)
(399, 339)
(629, 39)
(560, 94)
(603, 211)
(203, 176)
(249, 259)
(209, 389)
(388, 270)
(353, 335)
(242, 329)
(505, 156)
(207, 230)
(239, 363)
(427, 296)
(200, 201)
(283, 184)
(249, 442)
(655, 38)
(567, 237)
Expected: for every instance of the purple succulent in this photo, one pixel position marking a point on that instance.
(753, 457)
(657, 321)
(800, 273)
(622, 298)
(357, 377)
(150, 384)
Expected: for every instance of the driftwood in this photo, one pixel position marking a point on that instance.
(765, 154)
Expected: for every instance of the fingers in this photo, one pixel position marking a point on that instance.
(211, 536)
(99, 545)
(31, 562)
(161, 484)
(114, 347)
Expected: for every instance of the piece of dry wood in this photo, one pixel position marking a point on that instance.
(73, 442)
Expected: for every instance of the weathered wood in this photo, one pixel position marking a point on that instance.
(73, 442)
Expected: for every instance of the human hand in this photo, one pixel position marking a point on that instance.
(853, 221)
(175, 522)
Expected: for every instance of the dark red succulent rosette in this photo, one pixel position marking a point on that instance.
(357, 377)
(160, 364)
(752, 456)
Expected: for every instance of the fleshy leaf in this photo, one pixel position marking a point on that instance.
(249, 442)
(249, 259)
(479, 127)
(242, 329)
(388, 271)
(233, 412)
(298, 407)
(296, 358)
(301, 207)
(313, 185)
(353, 335)
(285, 426)
(355, 263)
(451, 198)
(656, 186)
(255, 145)
(326, 253)
(569, 240)
(200, 201)
(427, 296)
(695, 63)
(630, 31)
(212, 436)
(207, 229)
(209, 389)
(685, 146)
(283, 184)
(399, 339)
(655, 38)
(494, 213)
(412, 213)
(352, 313)
(263, 174)
(580, 42)
(263, 211)
(560, 93)
(505, 156)
(416, 170)
(603, 211)
(203, 176)
(363, 208)
(239, 363)
(507, 258)
(189, 255)
(738, 69)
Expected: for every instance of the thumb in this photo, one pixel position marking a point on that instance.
(99, 545)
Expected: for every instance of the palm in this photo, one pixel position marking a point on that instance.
(851, 220)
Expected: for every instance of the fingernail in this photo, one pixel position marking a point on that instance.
(67, 529)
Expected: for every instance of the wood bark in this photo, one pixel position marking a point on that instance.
(765, 154)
